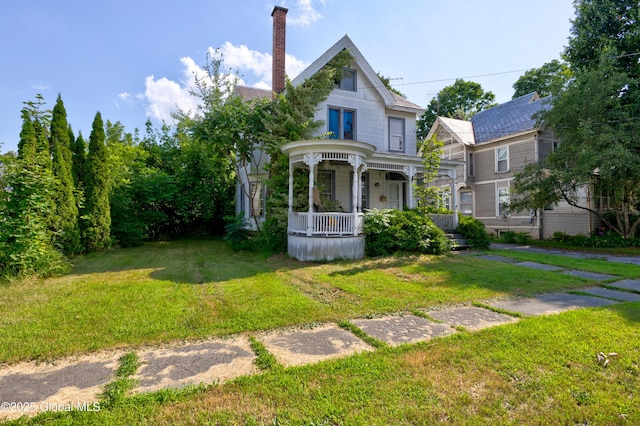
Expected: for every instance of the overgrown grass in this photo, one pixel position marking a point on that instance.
(538, 371)
(194, 289)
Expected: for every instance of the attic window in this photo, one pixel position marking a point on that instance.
(348, 81)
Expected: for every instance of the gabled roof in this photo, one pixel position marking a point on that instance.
(461, 130)
(515, 116)
(251, 93)
(390, 99)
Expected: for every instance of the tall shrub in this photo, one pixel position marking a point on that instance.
(96, 218)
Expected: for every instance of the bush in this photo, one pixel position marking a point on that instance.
(474, 232)
(508, 237)
(236, 232)
(390, 231)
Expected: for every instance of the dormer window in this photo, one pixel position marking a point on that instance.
(348, 81)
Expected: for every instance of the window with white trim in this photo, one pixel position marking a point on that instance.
(466, 203)
(396, 134)
(502, 159)
(503, 201)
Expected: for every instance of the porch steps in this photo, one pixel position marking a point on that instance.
(458, 242)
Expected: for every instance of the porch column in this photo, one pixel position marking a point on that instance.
(454, 198)
(312, 167)
(311, 159)
(411, 172)
(290, 187)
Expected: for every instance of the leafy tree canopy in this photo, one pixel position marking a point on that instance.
(462, 100)
(596, 120)
(550, 79)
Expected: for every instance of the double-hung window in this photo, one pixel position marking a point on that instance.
(503, 201)
(396, 134)
(342, 123)
(502, 159)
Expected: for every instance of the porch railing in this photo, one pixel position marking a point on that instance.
(443, 221)
(328, 223)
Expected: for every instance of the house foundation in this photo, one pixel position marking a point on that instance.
(321, 248)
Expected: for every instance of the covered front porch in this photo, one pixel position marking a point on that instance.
(317, 233)
(342, 179)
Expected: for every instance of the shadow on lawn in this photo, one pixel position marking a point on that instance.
(183, 262)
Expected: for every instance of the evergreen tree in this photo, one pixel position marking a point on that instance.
(78, 159)
(26, 208)
(66, 225)
(96, 218)
(27, 143)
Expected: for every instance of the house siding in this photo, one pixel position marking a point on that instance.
(571, 223)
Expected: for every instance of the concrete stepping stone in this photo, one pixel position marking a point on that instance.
(314, 345)
(629, 284)
(536, 265)
(471, 317)
(496, 258)
(73, 383)
(589, 275)
(622, 296)
(402, 329)
(550, 304)
(193, 364)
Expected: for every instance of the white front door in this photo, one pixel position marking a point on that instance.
(395, 199)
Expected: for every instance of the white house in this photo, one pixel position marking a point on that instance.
(369, 160)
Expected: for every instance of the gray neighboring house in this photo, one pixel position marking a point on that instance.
(492, 145)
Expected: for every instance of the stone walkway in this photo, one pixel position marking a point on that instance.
(75, 383)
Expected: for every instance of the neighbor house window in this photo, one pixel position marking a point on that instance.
(470, 165)
(466, 203)
(348, 81)
(503, 201)
(502, 159)
(396, 134)
(342, 123)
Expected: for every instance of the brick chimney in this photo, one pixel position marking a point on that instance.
(279, 15)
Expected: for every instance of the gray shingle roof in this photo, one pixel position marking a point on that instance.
(515, 116)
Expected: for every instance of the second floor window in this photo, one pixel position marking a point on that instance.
(342, 123)
(396, 134)
(502, 159)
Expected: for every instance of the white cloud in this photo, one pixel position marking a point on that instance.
(40, 86)
(164, 96)
(124, 97)
(304, 12)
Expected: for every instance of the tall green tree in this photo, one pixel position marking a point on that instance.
(550, 79)
(78, 158)
(26, 205)
(96, 215)
(65, 227)
(463, 99)
(596, 119)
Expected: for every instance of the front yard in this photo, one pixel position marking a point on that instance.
(539, 370)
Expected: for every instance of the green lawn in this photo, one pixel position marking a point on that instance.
(537, 371)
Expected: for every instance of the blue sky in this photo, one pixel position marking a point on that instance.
(135, 59)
